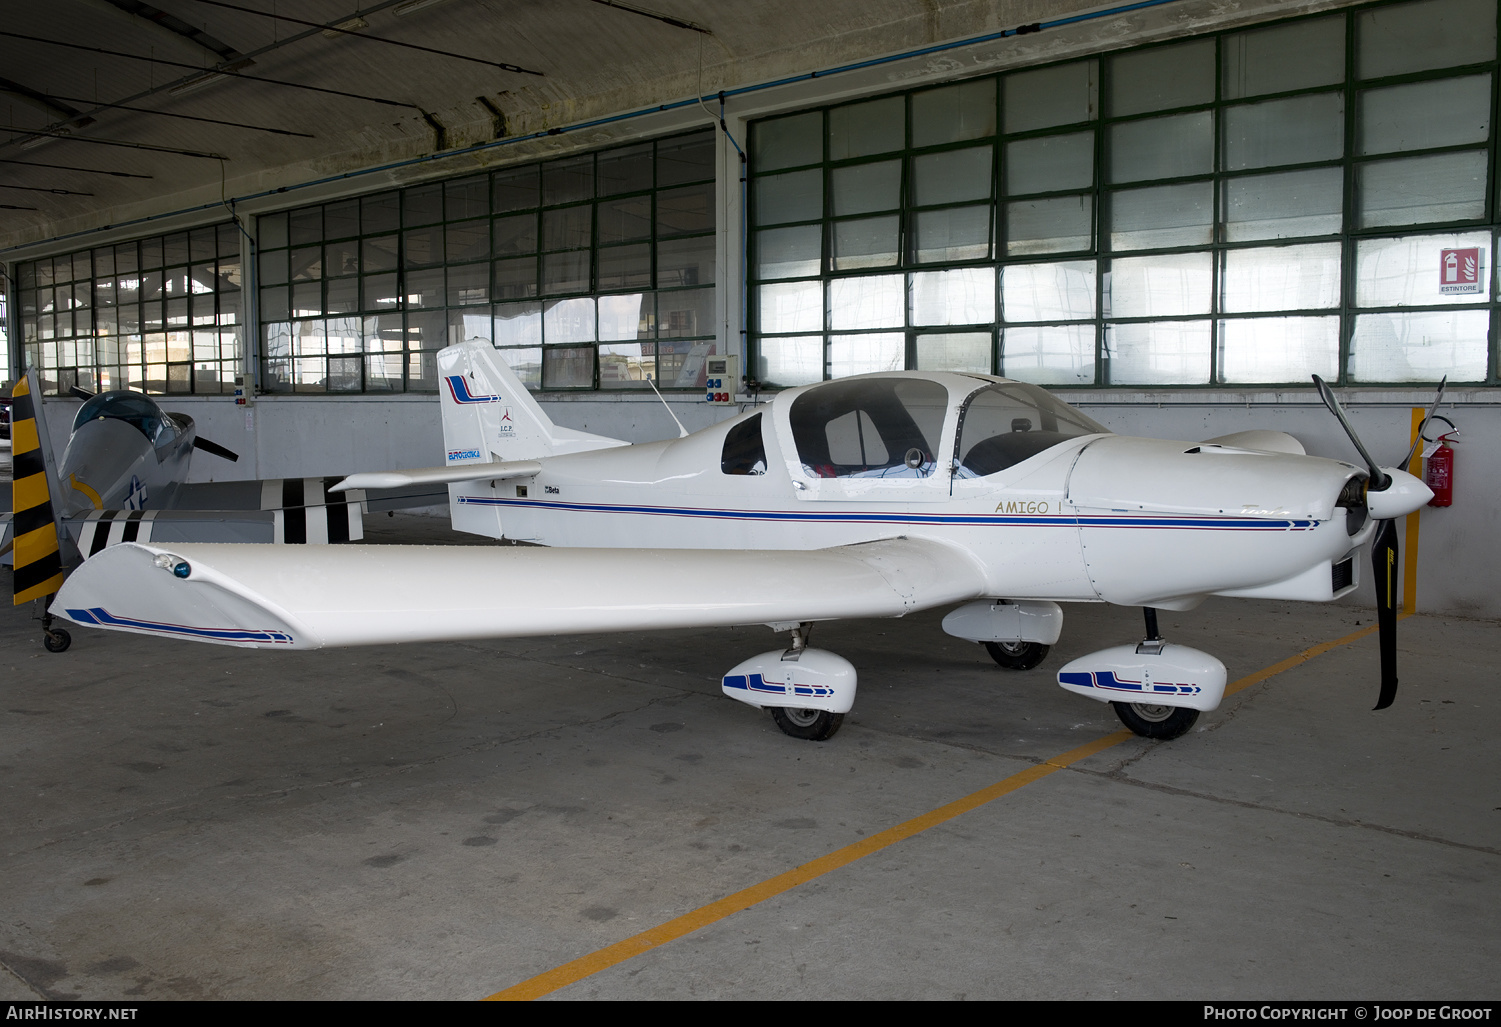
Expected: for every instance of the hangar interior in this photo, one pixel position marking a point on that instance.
(1169, 213)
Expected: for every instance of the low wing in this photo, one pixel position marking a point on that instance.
(497, 471)
(308, 598)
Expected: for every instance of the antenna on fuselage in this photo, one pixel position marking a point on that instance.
(682, 432)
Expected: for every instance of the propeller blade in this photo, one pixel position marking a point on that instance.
(1379, 479)
(1384, 560)
(78, 393)
(1422, 426)
(216, 449)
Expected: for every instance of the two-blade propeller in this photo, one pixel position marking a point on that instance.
(1384, 550)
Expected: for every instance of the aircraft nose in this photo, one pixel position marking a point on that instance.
(1404, 495)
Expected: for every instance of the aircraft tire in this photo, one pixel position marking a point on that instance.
(810, 725)
(1159, 722)
(57, 640)
(1017, 655)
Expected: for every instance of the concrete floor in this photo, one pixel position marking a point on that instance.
(445, 821)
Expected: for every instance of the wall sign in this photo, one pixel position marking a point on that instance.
(1461, 271)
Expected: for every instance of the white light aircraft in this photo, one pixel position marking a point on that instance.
(871, 496)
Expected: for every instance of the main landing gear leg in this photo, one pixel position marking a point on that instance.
(1149, 719)
(811, 725)
(55, 640)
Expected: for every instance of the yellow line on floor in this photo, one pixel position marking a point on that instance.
(570, 973)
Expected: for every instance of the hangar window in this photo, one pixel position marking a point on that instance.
(1244, 208)
(591, 271)
(159, 315)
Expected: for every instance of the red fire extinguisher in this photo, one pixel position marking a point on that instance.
(1438, 468)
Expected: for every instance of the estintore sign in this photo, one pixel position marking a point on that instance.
(1461, 271)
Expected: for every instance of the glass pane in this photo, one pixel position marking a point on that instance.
(379, 292)
(518, 324)
(789, 252)
(876, 301)
(1159, 286)
(343, 294)
(868, 242)
(792, 307)
(685, 211)
(1420, 346)
(1049, 292)
(421, 246)
(569, 228)
(965, 296)
(797, 196)
(378, 253)
(954, 114)
(632, 316)
(563, 272)
(515, 234)
(624, 267)
(1443, 187)
(627, 365)
(1170, 147)
(1046, 97)
(1284, 206)
(1422, 270)
(790, 361)
(787, 143)
(1282, 278)
(467, 240)
(570, 368)
(685, 313)
(514, 190)
(566, 181)
(515, 278)
(568, 321)
(686, 262)
(1050, 163)
(306, 264)
(1298, 130)
(1284, 57)
(1161, 353)
(380, 213)
(466, 198)
(271, 229)
(421, 206)
(954, 351)
(467, 283)
(1049, 354)
(688, 159)
(951, 176)
(959, 233)
(304, 226)
(1055, 225)
(526, 364)
(863, 188)
(1422, 115)
(863, 129)
(1181, 75)
(273, 267)
(340, 258)
(1278, 349)
(423, 288)
(866, 354)
(625, 220)
(627, 170)
(1415, 37)
(1169, 215)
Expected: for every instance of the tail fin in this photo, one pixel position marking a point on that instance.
(486, 410)
(38, 570)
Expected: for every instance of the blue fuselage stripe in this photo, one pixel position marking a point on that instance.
(890, 517)
(102, 617)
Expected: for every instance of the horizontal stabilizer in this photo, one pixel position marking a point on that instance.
(308, 598)
(497, 470)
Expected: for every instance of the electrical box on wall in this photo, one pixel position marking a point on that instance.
(721, 379)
